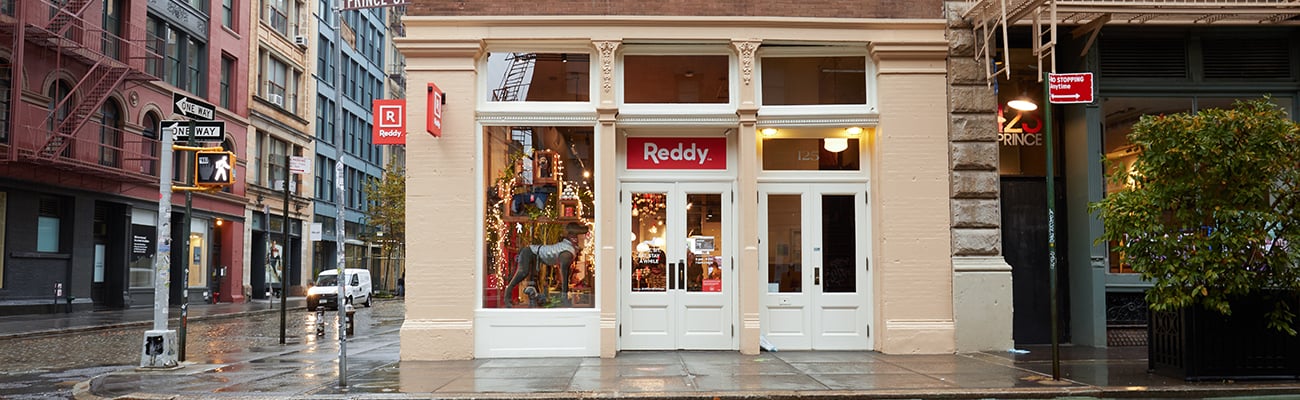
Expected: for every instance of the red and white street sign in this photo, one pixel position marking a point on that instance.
(676, 153)
(1070, 88)
(390, 122)
(433, 124)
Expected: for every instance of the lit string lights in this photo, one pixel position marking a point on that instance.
(503, 229)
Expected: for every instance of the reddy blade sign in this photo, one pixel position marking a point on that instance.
(390, 122)
(676, 153)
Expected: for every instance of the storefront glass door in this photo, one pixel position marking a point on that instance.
(813, 249)
(677, 267)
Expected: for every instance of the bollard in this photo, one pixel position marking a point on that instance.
(320, 321)
(350, 319)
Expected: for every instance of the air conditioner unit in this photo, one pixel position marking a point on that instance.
(277, 99)
(300, 40)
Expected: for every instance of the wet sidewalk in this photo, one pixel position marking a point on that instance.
(308, 368)
(33, 325)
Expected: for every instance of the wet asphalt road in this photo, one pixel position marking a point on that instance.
(47, 367)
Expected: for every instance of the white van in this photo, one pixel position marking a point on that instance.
(325, 291)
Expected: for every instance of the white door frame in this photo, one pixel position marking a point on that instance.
(812, 318)
(677, 318)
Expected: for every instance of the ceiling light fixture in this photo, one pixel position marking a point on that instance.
(835, 145)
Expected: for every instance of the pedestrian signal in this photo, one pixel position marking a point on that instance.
(214, 168)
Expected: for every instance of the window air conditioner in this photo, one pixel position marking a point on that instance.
(277, 99)
(300, 40)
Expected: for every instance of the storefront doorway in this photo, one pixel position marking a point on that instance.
(814, 251)
(678, 278)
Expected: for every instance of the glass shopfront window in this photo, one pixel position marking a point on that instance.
(814, 80)
(1121, 113)
(676, 79)
(525, 76)
(540, 207)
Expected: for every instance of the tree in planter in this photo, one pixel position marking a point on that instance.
(1210, 209)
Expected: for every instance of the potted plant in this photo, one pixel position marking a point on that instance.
(1210, 215)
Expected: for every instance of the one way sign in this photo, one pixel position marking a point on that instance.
(214, 168)
(192, 107)
(208, 131)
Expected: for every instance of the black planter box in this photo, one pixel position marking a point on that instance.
(1199, 345)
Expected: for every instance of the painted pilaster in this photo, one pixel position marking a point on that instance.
(747, 200)
(913, 278)
(607, 210)
(443, 283)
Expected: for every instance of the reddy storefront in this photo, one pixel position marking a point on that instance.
(677, 194)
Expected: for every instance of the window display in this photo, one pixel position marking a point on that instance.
(539, 202)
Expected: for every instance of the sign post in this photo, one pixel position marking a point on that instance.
(196, 110)
(1060, 89)
(339, 186)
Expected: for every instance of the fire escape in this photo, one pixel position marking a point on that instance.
(66, 135)
(513, 87)
(992, 18)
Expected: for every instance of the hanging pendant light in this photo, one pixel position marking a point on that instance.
(835, 145)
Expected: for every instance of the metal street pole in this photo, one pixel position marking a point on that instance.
(1051, 223)
(185, 254)
(339, 194)
(284, 252)
(156, 340)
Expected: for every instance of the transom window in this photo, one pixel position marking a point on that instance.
(676, 79)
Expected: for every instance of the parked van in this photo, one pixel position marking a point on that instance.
(325, 292)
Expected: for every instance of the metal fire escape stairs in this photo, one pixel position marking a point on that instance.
(991, 19)
(512, 87)
(512, 84)
(109, 61)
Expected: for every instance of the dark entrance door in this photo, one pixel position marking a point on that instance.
(1024, 245)
(108, 262)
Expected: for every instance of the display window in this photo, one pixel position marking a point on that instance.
(1121, 113)
(538, 220)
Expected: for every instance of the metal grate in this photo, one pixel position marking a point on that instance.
(1147, 58)
(1247, 58)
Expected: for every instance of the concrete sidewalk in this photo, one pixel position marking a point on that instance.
(309, 369)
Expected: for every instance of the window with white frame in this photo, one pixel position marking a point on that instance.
(279, 82)
(533, 76)
(814, 80)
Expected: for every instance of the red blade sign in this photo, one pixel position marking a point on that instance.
(1070, 88)
(390, 122)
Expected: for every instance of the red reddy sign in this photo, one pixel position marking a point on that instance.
(390, 122)
(676, 153)
(433, 123)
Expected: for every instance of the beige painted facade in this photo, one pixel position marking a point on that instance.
(285, 117)
(915, 305)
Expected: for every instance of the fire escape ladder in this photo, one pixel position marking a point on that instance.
(512, 85)
(90, 94)
(65, 14)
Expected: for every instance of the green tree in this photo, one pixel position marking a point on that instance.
(387, 213)
(1210, 209)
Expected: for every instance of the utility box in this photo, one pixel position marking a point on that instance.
(159, 350)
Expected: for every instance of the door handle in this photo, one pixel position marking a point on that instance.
(817, 275)
(681, 274)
